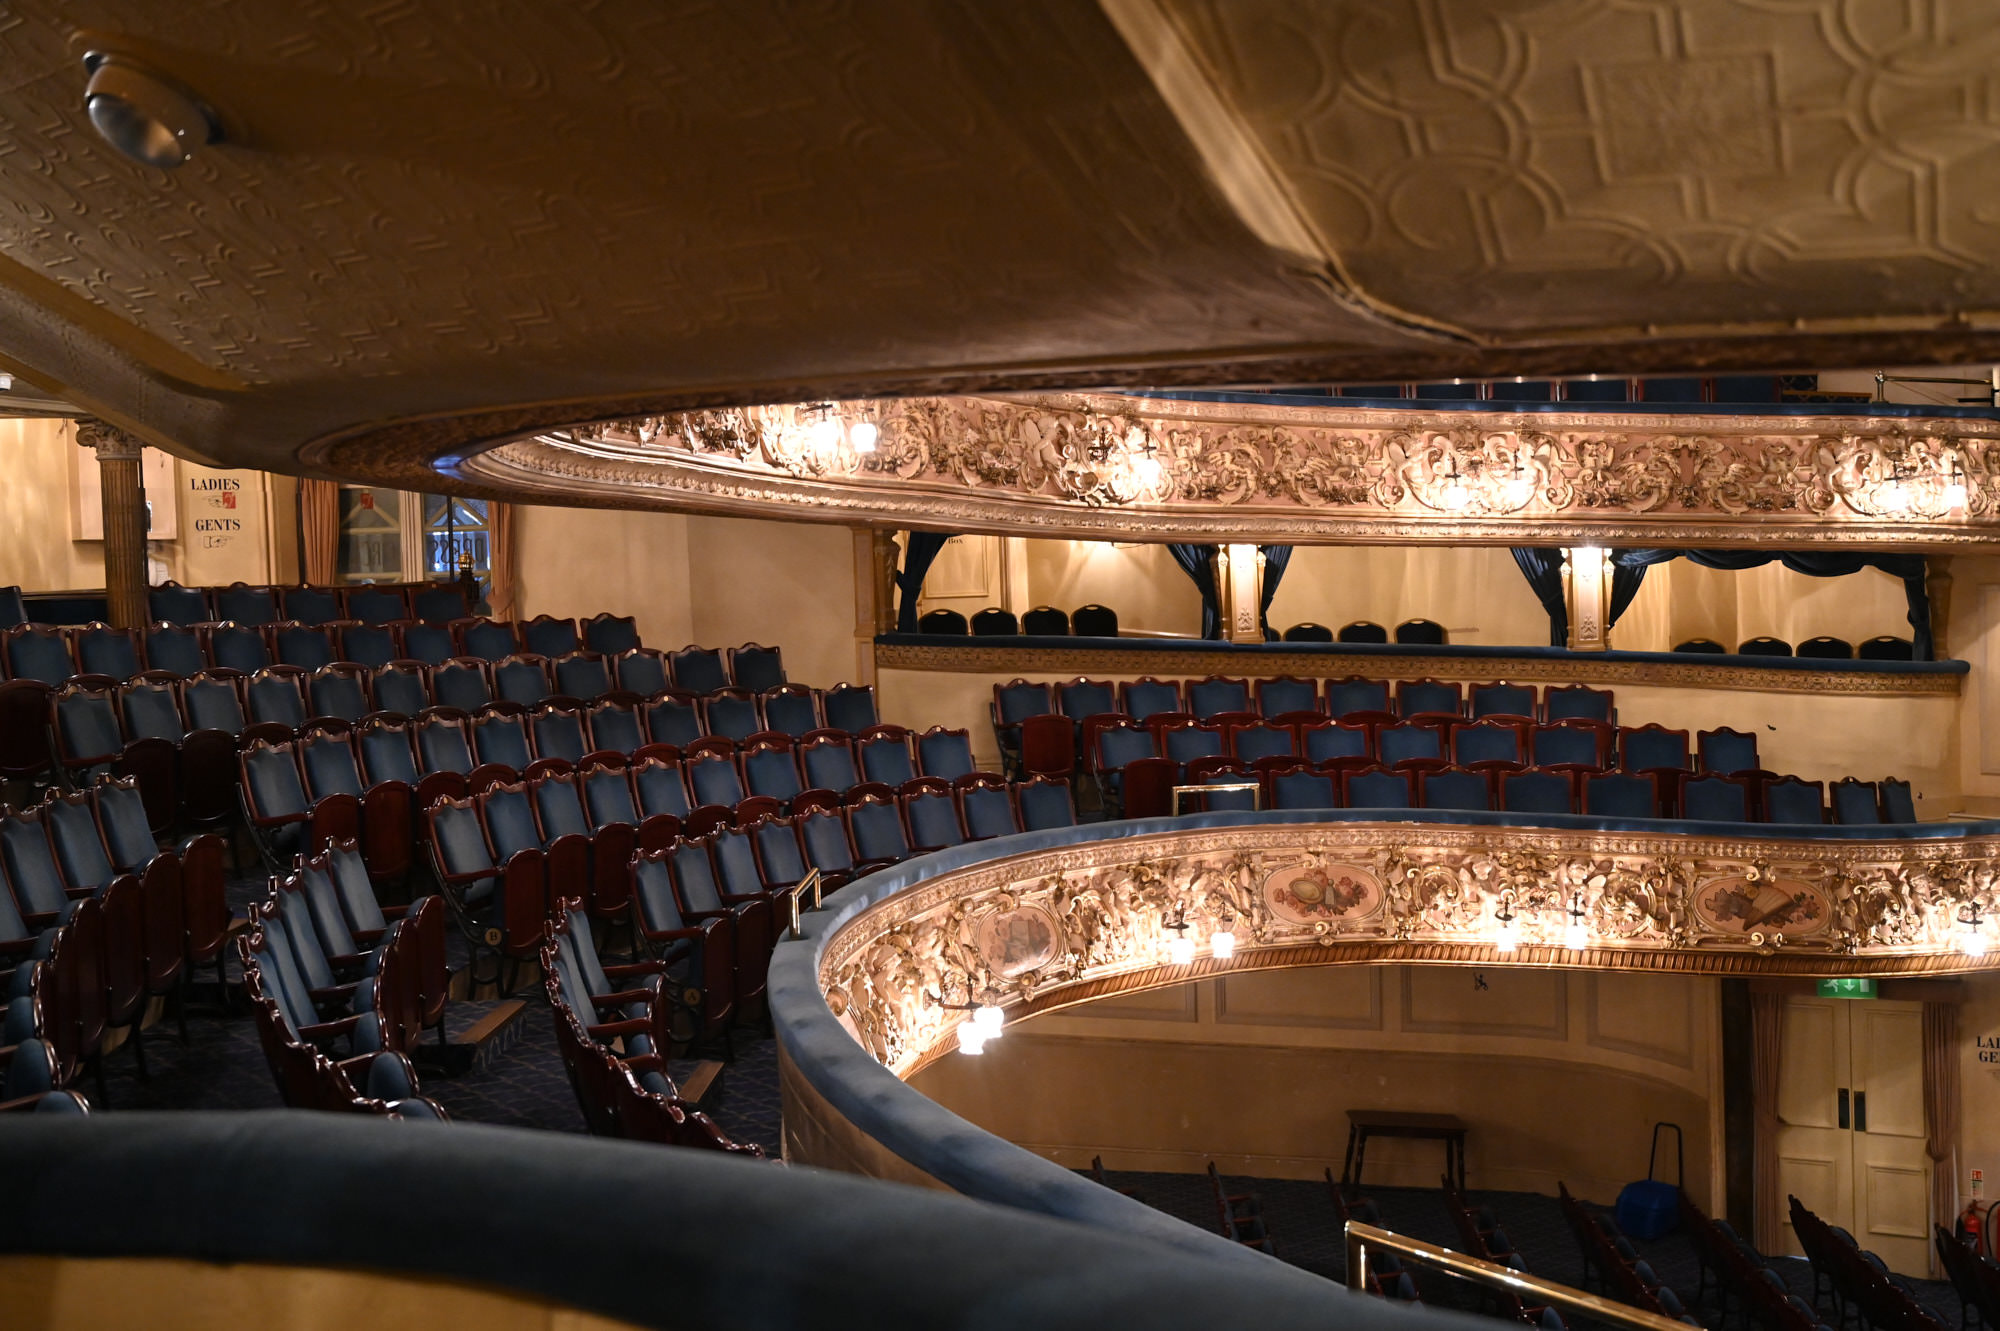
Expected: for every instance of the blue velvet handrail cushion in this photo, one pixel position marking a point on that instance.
(944, 1146)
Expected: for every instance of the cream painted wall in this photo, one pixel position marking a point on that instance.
(1680, 600)
(1476, 592)
(720, 582)
(580, 562)
(1141, 582)
(1560, 1075)
(36, 546)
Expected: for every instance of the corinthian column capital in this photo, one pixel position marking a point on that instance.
(110, 443)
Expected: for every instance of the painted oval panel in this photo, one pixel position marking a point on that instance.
(1743, 906)
(1316, 893)
(1014, 941)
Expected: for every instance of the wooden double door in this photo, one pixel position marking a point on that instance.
(1851, 1124)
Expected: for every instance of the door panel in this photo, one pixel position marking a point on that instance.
(1892, 1171)
(1815, 1151)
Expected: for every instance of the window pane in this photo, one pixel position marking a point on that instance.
(371, 534)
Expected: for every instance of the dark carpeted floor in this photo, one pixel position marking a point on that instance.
(1307, 1232)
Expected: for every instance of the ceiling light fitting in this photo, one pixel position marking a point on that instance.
(1507, 936)
(1577, 936)
(1180, 948)
(145, 115)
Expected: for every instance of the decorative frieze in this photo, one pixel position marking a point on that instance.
(1126, 467)
(1041, 931)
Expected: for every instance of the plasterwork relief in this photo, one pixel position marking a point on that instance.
(1109, 466)
(1038, 932)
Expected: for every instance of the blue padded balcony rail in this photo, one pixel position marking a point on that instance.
(654, 1236)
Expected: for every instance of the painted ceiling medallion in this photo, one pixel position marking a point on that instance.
(1124, 467)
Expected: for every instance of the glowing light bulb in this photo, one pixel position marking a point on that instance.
(1894, 498)
(825, 431)
(971, 1040)
(1455, 496)
(1519, 491)
(1972, 943)
(1954, 494)
(1222, 943)
(989, 1020)
(862, 435)
(1180, 949)
(1577, 936)
(1148, 469)
(1508, 938)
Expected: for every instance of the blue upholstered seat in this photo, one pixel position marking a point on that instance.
(438, 602)
(769, 770)
(377, 605)
(1118, 745)
(1186, 743)
(312, 605)
(945, 753)
(174, 649)
(1503, 700)
(849, 707)
(151, 711)
(559, 808)
(1253, 742)
(1726, 752)
(791, 709)
(240, 604)
(615, 727)
(79, 845)
(174, 604)
(212, 704)
(1791, 800)
(713, 779)
(87, 728)
(304, 645)
(430, 643)
(1304, 790)
(489, 640)
(1218, 800)
(521, 679)
(404, 691)
(35, 652)
(502, 739)
(698, 669)
(509, 815)
(661, 788)
(1709, 799)
(103, 650)
(582, 675)
(1212, 697)
(340, 693)
(1536, 792)
(671, 720)
(1020, 699)
(607, 794)
(780, 858)
(443, 746)
(1621, 795)
(1334, 741)
(1086, 697)
(121, 812)
(1455, 790)
(611, 634)
(386, 754)
(933, 820)
(1378, 790)
(878, 831)
(1428, 697)
(989, 812)
(642, 671)
(756, 668)
(886, 758)
(1486, 742)
(1403, 743)
(1284, 694)
(31, 866)
(1565, 746)
(236, 647)
(545, 635)
(1150, 697)
(276, 698)
(829, 765)
(330, 765)
(1576, 702)
(1898, 806)
(731, 713)
(1344, 697)
(1045, 805)
(1652, 747)
(462, 850)
(1856, 802)
(462, 684)
(824, 833)
(558, 733)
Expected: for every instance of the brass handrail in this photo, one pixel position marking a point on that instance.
(809, 883)
(1256, 792)
(1360, 1238)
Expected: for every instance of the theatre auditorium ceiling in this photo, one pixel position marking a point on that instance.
(419, 230)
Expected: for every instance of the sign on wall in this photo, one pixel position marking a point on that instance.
(1848, 987)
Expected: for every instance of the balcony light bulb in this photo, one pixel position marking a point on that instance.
(862, 435)
(971, 1040)
(1972, 942)
(989, 1020)
(1894, 497)
(1148, 469)
(1456, 496)
(825, 431)
(1180, 949)
(1577, 936)
(1508, 938)
(1520, 491)
(1954, 494)
(1222, 943)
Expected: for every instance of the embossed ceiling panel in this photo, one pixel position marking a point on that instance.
(434, 225)
(1548, 164)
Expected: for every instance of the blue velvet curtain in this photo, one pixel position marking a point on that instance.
(1198, 562)
(1542, 566)
(918, 556)
(1276, 559)
(1628, 571)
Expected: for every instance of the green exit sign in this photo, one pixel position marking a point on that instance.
(1850, 988)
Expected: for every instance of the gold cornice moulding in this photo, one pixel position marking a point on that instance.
(1119, 467)
(1045, 930)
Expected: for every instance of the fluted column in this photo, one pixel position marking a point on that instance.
(124, 498)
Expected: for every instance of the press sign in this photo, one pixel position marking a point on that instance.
(1852, 987)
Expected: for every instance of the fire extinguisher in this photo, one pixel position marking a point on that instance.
(1972, 1228)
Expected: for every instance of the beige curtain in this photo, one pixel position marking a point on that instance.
(500, 525)
(1767, 1029)
(1941, 1112)
(319, 530)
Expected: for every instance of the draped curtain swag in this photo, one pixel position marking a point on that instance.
(1198, 562)
(1941, 1111)
(1276, 559)
(319, 531)
(501, 585)
(1542, 566)
(919, 553)
(1767, 1032)
(1543, 569)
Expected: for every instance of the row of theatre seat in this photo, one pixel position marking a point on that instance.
(1480, 1235)
(96, 920)
(512, 854)
(1859, 1281)
(99, 654)
(373, 603)
(1620, 1272)
(325, 965)
(1743, 1277)
(1973, 1274)
(613, 1028)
